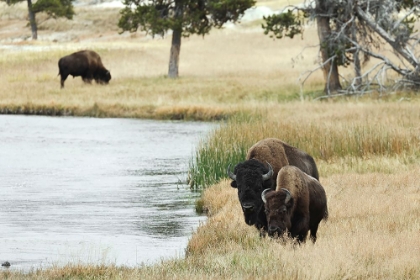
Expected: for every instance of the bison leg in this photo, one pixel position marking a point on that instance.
(89, 77)
(63, 78)
(302, 237)
(300, 227)
(314, 229)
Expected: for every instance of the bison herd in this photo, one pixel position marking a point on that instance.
(279, 190)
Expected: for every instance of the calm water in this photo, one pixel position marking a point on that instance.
(95, 190)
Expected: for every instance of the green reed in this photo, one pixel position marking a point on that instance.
(211, 161)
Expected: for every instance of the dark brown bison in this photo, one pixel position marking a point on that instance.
(297, 205)
(86, 64)
(259, 172)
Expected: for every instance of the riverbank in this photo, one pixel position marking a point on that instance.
(372, 233)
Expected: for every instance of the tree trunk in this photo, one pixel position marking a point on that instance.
(356, 57)
(329, 68)
(176, 41)
(174, 56)
(32, 21)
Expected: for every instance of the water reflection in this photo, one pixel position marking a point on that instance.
(95, 190)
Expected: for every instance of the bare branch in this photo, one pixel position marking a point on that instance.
(359, 30)
(374, 26)
(403, 18)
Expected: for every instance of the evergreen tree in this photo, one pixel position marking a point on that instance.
(54, 9)
(182, 17)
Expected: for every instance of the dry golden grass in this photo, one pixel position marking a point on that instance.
(373, 232)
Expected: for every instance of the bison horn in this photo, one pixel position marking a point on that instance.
(264, 193)
(269, 173)
(288, 195)
(231, 175)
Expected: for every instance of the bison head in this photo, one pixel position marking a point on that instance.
(107, 76)
(251, 178)
(103, 77)
(277, 210)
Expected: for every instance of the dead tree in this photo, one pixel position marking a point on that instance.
(362, 31)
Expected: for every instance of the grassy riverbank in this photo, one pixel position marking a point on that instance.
(367, 148)
(372, 233)
(368, 157)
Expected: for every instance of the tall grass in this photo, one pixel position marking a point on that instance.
(354, 132)
(372, 233)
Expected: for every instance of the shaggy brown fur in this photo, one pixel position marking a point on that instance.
(279, 154)
(303, 211)
(86, 64)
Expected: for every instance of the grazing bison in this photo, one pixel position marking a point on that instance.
(259, 172)
(86, 64)
(297, 205)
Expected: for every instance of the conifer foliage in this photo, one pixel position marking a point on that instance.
(181, 17)
(53, 8)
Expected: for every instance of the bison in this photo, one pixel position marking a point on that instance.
(298, 204)
(86, 64)
(259, 172)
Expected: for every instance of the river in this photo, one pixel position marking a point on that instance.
(95, 191)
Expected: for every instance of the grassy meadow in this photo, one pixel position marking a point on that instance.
(367, 147)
